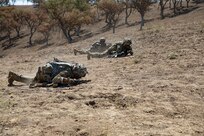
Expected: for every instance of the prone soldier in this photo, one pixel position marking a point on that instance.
(120, 49)
(96, 47)
(55, 73)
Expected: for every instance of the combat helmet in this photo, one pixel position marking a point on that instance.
(102, 40)
(127, 41)
(79, 71)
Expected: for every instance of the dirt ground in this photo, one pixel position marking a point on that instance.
(158, 91)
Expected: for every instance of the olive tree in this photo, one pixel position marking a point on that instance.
(33, 20)
(112, 11)
(128, 9)
(17, 16)
(142, 7)
(162, 4)
(6, 22)
(67, 14)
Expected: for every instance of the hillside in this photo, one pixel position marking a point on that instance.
(158, 91)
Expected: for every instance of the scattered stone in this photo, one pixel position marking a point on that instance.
(172, 56)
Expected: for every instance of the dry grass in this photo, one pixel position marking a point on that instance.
(145, 94)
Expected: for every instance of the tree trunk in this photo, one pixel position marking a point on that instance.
(97, 10)
(162, 12)
(110, 21)
(170, 3)
(161, 9)
(17, 32)
(32, 31)
(187, 3)
(46, 35)
(47, 41)
(106, 20)
(78, 30)
(30, 39)
(9, 36)
(174, 2)
(126, 17)
(114, 24)
(181, 3)
(69, 38)
(127, 14)
(142, 22)
(66, 34)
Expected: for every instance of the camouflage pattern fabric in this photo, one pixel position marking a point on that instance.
(100, 46)
(119, 49)
(54, 73)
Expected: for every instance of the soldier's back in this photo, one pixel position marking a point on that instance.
(99, 47)
(60, 66)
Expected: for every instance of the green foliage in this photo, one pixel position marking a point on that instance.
(69, 14)
(110, 6)
(142, 6)
(81, 5)
(4, 2)
(33, 19)
(57, 8)
(17, 16)
(45, 29)
(112, 10)
(6, 23)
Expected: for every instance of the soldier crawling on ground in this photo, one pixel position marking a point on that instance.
(55, 73)
(96, 47)
(120, 49)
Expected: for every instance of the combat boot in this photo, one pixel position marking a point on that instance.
(19, 78)
(75, 52)
(88, 56)
(10, 79)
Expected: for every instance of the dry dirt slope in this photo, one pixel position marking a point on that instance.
(158, 91)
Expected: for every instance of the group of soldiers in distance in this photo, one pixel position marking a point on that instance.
(58, 73)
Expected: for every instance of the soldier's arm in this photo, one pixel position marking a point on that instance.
(63, 78)
(129, 50)
(94, 46)
(33, 85)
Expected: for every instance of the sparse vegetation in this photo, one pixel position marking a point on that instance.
(17, 16)
(162, 4)
(33, 19)
(68, 14)
(7, 22)
(157, 91)
(45, 28)
(4, 2)
(142, 6)
(128, 10)
(71, 15)
(112, 11)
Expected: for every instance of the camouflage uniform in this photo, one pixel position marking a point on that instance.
(96, 47)
(54, 73)
(119, 49)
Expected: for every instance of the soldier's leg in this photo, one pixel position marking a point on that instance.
(15, 77)
(79, 51)
(58, 80)
(96, 55)
(39, 85)
(101, 55)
